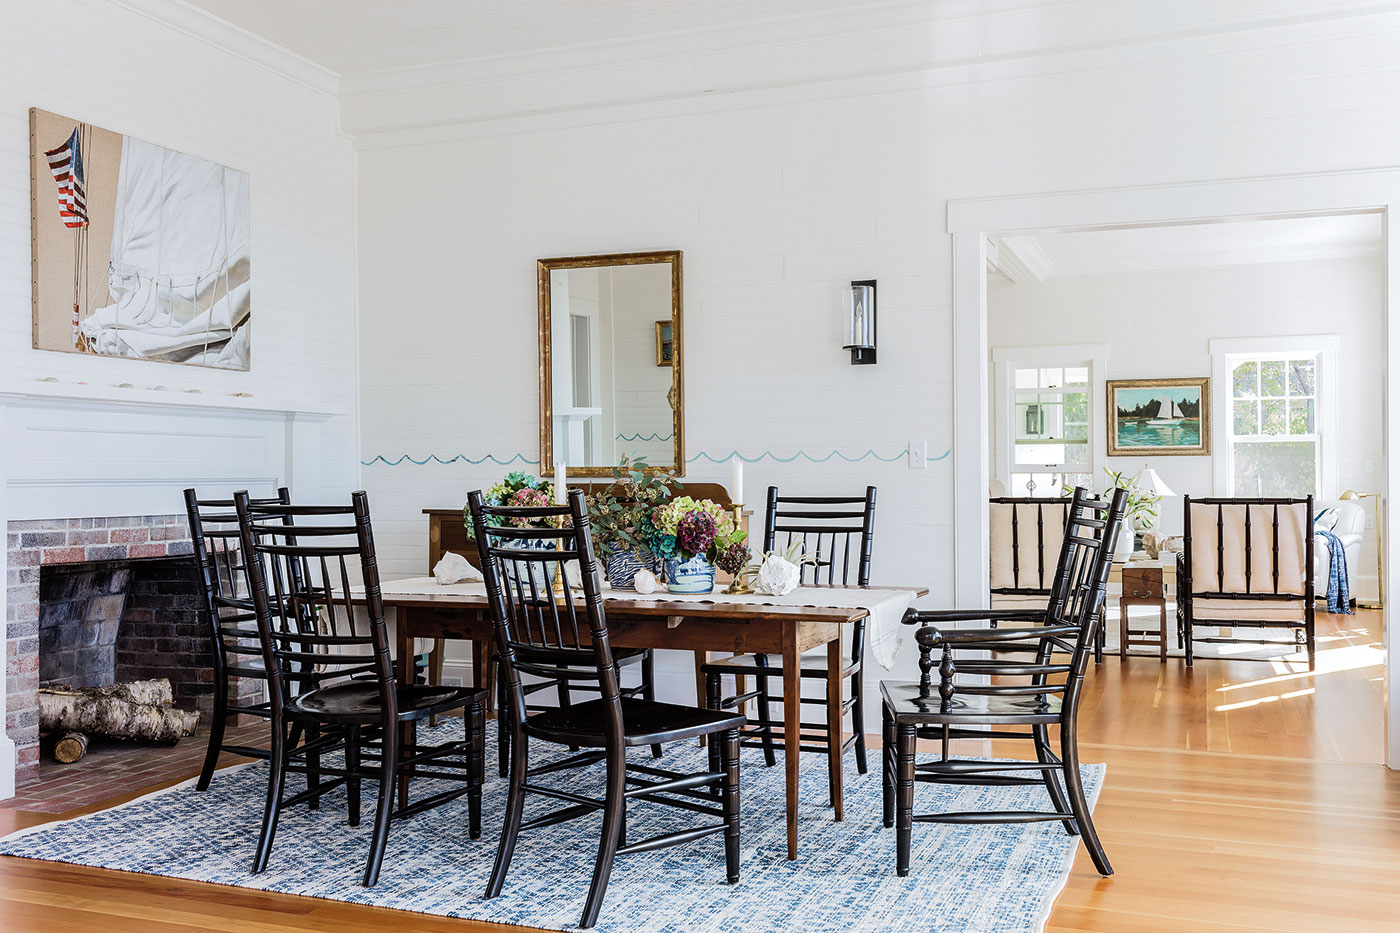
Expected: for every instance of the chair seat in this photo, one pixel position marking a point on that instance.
(907, 704)
(813, 665)
(1019, 601)
(1243, 611)
(358, 702)
(644, 722)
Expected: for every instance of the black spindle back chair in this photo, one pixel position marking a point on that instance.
(1029, 677)
(309, 572)
(1247, 563)
(227, 608)
(564, 637)
(838, 533)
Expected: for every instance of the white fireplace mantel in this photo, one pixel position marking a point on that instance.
(69, 450)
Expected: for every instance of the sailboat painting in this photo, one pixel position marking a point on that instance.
(1159, 417)
(138, 251)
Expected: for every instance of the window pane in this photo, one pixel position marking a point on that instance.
(1272, 377)
(1275, 468)
(1247, 417)
(1300, 377)
(1300, 416)
(1077, 375)
(1247, 380)
(1052, 378)
(1076, 406)
(1040, 454)
(1077, 454)
(1275, 416)
(1026, 378)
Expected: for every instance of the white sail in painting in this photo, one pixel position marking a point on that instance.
(1168, 412)
(179, 270)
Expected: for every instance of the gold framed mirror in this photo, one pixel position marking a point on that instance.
(605, 390)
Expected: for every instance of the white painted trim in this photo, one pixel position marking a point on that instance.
(235, 40)
(1005, 359)
(9, 754)
(1021, 259)
(1224, 350)
(971, 430)
(1375, 190)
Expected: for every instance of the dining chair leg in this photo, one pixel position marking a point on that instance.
(858, 717)
(614, 804)
(515, 805)
(352, 777)
(435, 672)
(313, 767)
(272, 808)
(731, 804)
(1069, 754)
(887, 759)
(714, 697)
(217, 723)
(565, 701)
(904, 797)
(766, 730)
(649, 689)
(476, 745)
(1045, 756)
(384, 806)
(503, 728)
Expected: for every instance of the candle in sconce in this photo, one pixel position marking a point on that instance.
(736, 480)
(560, 481)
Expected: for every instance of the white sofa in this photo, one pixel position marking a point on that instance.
(1347, 520)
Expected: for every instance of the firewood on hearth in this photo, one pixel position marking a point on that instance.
(138, 710)
(71, 747)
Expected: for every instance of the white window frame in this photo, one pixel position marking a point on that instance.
(1005, 362)
(1226, 352)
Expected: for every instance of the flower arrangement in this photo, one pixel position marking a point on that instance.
(700, 528)
(1141, 508)
(620, 513)
(519, 490)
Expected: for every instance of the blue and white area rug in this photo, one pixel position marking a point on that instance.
(963, 878)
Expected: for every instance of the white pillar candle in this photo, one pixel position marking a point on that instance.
(559, 483)
(736, 480)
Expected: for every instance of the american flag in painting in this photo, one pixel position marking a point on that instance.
(66, 163)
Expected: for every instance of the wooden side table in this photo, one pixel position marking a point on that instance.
(1142, 586)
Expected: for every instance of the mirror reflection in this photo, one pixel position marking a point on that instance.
(612, 377)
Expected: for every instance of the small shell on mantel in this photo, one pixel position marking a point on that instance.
(646, 582)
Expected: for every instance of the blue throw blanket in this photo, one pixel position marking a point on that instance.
(1338, 584)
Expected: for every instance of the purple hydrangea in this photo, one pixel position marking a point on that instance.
(733, 558)
(696, 532)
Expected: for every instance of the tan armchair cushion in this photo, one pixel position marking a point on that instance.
(1244, 610)
(1026, 537)
(1210, 522)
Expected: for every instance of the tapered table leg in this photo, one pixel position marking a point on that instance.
(404, 675)
(792, 726)
(833, 723)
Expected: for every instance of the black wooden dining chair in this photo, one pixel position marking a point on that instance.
(1032, 678)
(227, 609)
(838, 532)
(292, 579)
(566, 637)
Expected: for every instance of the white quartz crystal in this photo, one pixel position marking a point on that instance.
(776, 576)
(646, 582)
(454, 568)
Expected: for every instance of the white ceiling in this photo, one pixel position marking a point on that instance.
(1240, 243)
(362, 36)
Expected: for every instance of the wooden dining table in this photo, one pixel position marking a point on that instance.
(738, 627)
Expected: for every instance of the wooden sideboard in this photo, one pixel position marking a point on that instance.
(447, 528)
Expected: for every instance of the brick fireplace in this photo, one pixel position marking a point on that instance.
(119, 601)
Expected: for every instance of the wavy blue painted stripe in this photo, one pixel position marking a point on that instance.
(702, 455)
(643, 437)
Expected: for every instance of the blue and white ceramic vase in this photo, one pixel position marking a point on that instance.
(623, 567)
(541, 574)
(690, 577)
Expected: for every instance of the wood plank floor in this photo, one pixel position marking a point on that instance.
(1239, 797)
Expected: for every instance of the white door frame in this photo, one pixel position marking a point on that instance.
(971, 221)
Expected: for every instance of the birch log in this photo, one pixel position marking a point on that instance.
(138, 710)
(70, 748)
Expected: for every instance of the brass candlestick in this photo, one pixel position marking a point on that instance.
(738, 585)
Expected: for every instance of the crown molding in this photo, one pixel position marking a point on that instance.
(237, 41)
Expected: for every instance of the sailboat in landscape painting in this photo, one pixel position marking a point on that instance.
(1168, 412)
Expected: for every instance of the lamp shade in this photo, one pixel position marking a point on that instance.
(860, 321)
(1150, 484)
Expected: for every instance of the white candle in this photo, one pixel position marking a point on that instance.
(736, 480)
(559, 482)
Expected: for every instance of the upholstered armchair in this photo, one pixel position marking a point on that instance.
(1247, 563)
(1346, 520)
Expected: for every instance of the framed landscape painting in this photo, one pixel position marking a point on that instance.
(1158, 417)
(138, 251)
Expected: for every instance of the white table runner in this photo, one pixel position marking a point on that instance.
(886, 607)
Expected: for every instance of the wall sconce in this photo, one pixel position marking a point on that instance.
(860, 322)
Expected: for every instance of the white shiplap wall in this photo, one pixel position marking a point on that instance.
(778, 197)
